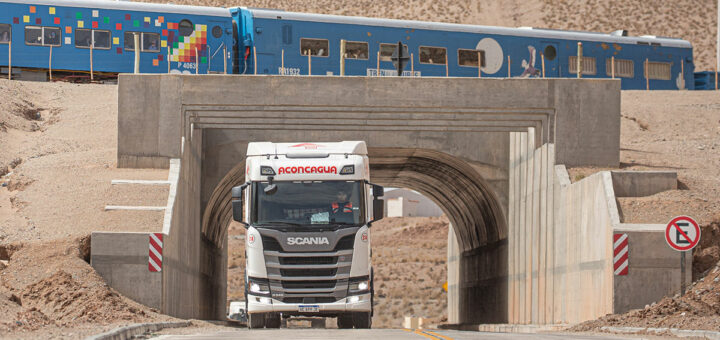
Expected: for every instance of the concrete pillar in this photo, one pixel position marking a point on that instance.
(453, 277)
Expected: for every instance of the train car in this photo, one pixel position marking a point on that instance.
(300, 44)
(80, 35)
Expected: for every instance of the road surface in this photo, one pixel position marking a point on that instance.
(376, 334)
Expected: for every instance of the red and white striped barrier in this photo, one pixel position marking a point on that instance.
(155, 258)
(620, 251)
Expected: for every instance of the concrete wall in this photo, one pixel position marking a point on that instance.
(642, 183)
(571, 113)
(194, 269)
(122, 261)
(653, 268)
(561, 241)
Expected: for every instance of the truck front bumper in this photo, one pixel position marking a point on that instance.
(355, 303)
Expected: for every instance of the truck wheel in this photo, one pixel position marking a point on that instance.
(345, 321)
(362, 319)
(256, 320)
(272, 320)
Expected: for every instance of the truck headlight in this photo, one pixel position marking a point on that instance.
(359, 285)
(258, 287)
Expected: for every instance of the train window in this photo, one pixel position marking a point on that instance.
(99, 39)
(433, 55)
(129, 40)
(5, 33)
(186, 27)
(42, 36)
(470, 57)
(33, 35)
(83, 38)
(657, 70)
(588, 65)
(317, 47)
(550, 52)
(217, 32)
(387, 50)
(51, 36)
(150, 42)
(623, 68)
(356, 50)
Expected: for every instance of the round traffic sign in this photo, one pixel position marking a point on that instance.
(682, 233)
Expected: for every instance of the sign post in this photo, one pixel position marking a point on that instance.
(682, 234)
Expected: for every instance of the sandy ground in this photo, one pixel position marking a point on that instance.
(692, 20)
(670, 131)
(57, 158)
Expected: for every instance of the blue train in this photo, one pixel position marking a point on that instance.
(80, 35)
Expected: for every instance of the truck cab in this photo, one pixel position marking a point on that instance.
(308, 208)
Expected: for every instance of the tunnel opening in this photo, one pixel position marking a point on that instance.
(478, 290)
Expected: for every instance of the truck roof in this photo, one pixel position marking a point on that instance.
(306, 148)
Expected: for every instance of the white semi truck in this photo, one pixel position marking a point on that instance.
(307, 208)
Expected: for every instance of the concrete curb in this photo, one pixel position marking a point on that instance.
(508, 328)
(128, 332)
(682, 333)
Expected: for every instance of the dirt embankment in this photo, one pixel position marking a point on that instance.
(49, 290)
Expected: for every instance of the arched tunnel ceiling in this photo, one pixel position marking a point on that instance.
(462, 193)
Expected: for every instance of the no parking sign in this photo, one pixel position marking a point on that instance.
(682, 233)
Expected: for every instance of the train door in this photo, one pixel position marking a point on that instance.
(552, 59)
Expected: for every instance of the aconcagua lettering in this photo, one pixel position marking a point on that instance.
(307, 170)
(307, 240)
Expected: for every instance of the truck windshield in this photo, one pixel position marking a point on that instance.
(307, 203)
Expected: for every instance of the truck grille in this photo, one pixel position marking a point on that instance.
(308, 277)
(308, 272)
(308, 284)
(300, 261)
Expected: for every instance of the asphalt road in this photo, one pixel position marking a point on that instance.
(376, 334)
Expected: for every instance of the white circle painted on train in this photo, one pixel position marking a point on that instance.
(493, 55)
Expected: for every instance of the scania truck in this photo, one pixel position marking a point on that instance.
(308, 208)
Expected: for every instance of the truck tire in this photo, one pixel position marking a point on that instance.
(362, 319)
(345, 321)
(256, 320)
(272, 320)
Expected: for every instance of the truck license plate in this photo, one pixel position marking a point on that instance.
(309, 309)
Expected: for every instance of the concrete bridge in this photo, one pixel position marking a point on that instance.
(526, 245)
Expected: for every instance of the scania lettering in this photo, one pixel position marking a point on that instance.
(308, 208)
(307, 240)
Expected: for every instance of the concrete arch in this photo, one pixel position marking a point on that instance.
(465, 197)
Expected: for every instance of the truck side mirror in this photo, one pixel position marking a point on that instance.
(378, 204)
(237, 203)
(378, 190)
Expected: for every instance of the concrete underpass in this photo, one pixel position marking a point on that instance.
(489, 152)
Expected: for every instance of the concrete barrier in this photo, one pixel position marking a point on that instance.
(642, 183)
(122, 261)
